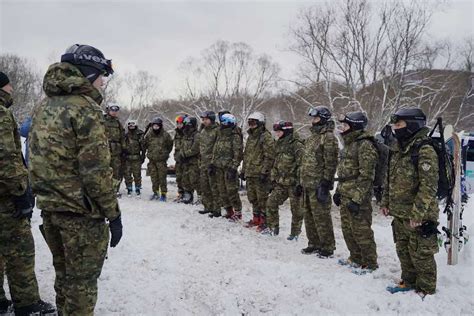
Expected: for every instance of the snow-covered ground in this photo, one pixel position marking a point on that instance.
(174, 261)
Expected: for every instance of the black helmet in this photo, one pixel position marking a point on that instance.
(356, 120)
(321, 111)
(210, 115)
(89, 60)
(414, 117)
(157, 121)
(189, 121)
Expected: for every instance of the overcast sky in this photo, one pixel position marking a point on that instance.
(158, 36)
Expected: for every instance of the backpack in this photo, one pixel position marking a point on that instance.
(446, 179)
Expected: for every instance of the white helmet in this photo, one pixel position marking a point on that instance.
(258, 116)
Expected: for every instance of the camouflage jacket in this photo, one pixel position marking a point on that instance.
(228, 149)
(134, 144)
(319, 161)
(411, 192)
(115, 135)
(288, 154)
(259, 152)
(356, 169)
(207, 140)
(178, 143)
(190, 146)
(13, 173)
(158, 145)
(69, 155)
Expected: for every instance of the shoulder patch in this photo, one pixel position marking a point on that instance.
(426, 166)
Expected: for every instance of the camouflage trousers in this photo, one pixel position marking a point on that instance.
(416, 255)
(158, 171)
(133, 173)
(358, 234)
(228, 190)
(318, 222)
(117, 165)
(79, 246)
(190, 180)
(17, 251)
(257, 193)
(276, 198)
(209, 191)
(178, 167)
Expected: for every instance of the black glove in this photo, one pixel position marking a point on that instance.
(211, 170)
(428, 229)
(24, 205)
(242, 176)
(115, 227)
(378, 193)
(353, 207)
(298, 190)
(231, 174)
(263, 178)
(322, 191)
(337, 198)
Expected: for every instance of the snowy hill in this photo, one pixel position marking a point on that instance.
(174, 261)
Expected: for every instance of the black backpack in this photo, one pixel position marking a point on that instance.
(446, 179)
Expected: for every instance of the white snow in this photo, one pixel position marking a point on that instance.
(174, 261)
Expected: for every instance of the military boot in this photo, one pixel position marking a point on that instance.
(129, 191)
(5, 306)
(163, 197)
(229, 212)
(38, 309)
(138, 190)
(236, 217)
(255, 221)
(187, 197)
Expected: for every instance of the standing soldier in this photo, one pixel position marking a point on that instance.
(178, 140)
(356, 173)
(134, 158)
(411, 199)
(116, 138)
(158, 145)
(189, 158)
(258, 162)
(208, 184)
(71, 176)
(226, 158)
(285, 180)
(318, 167)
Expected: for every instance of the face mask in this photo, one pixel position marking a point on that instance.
(9, 101)
(402, 134)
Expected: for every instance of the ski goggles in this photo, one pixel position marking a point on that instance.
(394, 118)
(114, 108)
(282, 125)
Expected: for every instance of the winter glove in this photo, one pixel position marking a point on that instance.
(231, 174)
(353, 207)
(337, 198)
(322, 192)
(378, 193)
(428, 229)
(24, 205)
(298, 190)
(115, 227)
(242, 176)
(263, 178)
(211, 170)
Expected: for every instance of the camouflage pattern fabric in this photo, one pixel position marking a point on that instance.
(79, 246)
(178, 137)
(134, 158)
(319, 162)
(208, 183)
(17, 249)
(357, 172)
(278, 196)
(257, 164)
(116, 138)
(189, 158)
(158, 172)
(158, 145)
(411, 195)
(226, 156)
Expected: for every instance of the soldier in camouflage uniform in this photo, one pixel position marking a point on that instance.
(135, 156)
(189, 158)
(411, 199)
(158, 145)
(208, 184)
(116, 138)
(285, 180)
(226, 158)
(17, 249)
(72, 178)
(356, 173)
(258, 162)
(318, 166)
(178, 140)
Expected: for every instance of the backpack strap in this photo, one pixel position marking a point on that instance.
(415, 151)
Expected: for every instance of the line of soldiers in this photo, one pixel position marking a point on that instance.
(73, 151)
